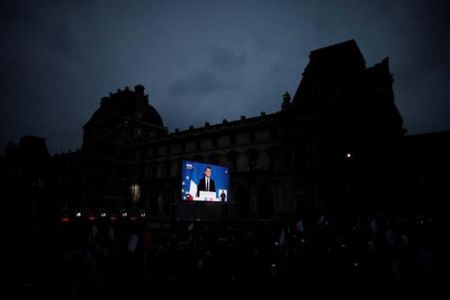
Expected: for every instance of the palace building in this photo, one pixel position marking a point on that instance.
(332, 148)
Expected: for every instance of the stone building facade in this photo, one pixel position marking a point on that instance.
(331, 149)
(328, 149)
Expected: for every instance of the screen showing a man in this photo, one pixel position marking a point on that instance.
(197, 183)
(206, 184)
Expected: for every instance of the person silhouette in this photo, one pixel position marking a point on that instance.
(206, 183)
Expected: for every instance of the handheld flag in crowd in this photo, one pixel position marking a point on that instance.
(300, 227)
(132, 245)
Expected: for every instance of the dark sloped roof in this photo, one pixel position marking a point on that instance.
(347, 53)
(331, 63)
(126, 104)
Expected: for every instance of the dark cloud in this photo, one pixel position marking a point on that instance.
(222, 58)
(226, 60)
(208, 92)
(220, 73)
(198, 84)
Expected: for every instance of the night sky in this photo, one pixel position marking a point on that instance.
(205, 60)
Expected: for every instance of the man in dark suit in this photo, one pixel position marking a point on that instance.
(206, 183)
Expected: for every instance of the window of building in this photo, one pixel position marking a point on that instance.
(232, 139)
(135, 192)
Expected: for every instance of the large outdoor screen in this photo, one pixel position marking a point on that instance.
(204, 182)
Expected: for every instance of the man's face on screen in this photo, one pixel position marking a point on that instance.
(208, 172)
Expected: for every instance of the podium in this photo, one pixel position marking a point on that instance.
(208, 196)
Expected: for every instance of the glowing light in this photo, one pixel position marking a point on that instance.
(91, 218)
(65, 219)
(78, 214)
(135, 192)
(348, 155)
(103, 215)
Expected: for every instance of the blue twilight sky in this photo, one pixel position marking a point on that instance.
(225, 58)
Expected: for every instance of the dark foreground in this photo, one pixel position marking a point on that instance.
(105, 259)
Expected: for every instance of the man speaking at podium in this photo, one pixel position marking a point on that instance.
(206, 183)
